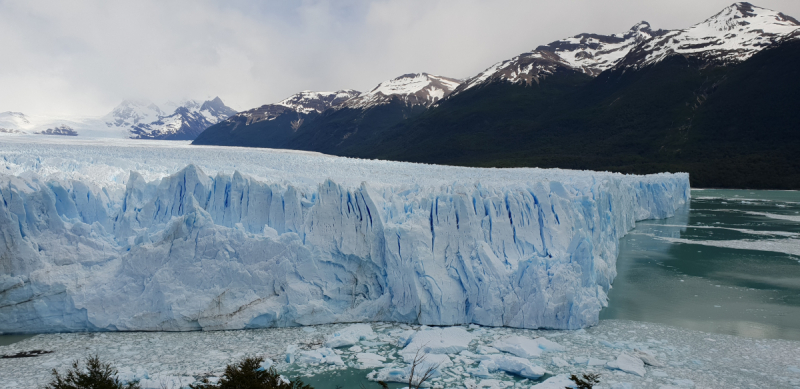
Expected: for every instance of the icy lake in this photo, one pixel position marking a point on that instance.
(729, 263)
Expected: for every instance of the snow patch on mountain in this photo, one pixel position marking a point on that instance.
(593, 53)
(412, 89)
(308, 101)
(304, 102)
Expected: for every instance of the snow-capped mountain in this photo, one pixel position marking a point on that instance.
(332, 119)
(138, 119)
(145, 120)
(593, 53)
(412, 89)
(14, 122)
(63, 129)
(308, 101)
(587, 53)
(132, 112)
(733, 35)
(20, 123)
(304, 102)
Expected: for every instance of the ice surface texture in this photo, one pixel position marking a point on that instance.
(301, 239)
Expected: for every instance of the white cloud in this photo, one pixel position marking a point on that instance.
(84, 56)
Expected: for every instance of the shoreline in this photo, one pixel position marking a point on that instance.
(705, 359)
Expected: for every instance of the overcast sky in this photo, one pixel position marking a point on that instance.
(84, 57)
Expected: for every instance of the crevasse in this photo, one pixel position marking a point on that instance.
(190, 251)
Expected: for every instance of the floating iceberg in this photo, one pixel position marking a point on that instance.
(525, 347)
(350, 336)
(107, 237)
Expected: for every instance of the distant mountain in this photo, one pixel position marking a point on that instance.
(273, 125)
(329, 121)
(308, 101)
(303, 103)
(144, 120)
(13, 122)
(63, 130)
(20, 123)
(138, 119)
(133, 112)
(416, 89)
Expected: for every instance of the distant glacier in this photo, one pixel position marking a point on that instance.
(167, 236)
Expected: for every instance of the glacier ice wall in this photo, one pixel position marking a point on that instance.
(85, 248)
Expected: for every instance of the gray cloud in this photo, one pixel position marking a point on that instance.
(84, 56)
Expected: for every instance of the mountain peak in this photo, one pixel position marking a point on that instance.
(411, 88)
(309, 101)
(732, 35)
(217, 108)
(641, 26)
(744, 14)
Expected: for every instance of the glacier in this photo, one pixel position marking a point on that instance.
(109, 236)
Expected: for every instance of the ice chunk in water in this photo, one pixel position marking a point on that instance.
(370, 360)
(526, 347)
(560, 381)
(628, 364)
(514, 365)
(449, 340)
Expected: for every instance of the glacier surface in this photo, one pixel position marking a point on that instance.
(102, 235)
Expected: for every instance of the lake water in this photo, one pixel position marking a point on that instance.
(728, 263)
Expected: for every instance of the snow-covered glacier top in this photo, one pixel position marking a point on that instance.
(108, 163)
(151, 235)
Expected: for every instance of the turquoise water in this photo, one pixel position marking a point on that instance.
(729, 263)
(350, 378)
(5, 340)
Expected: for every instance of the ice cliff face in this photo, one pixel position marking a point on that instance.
(83, 247)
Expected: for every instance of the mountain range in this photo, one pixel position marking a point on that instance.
(329, 121)
(718, 99)
(135, 119)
